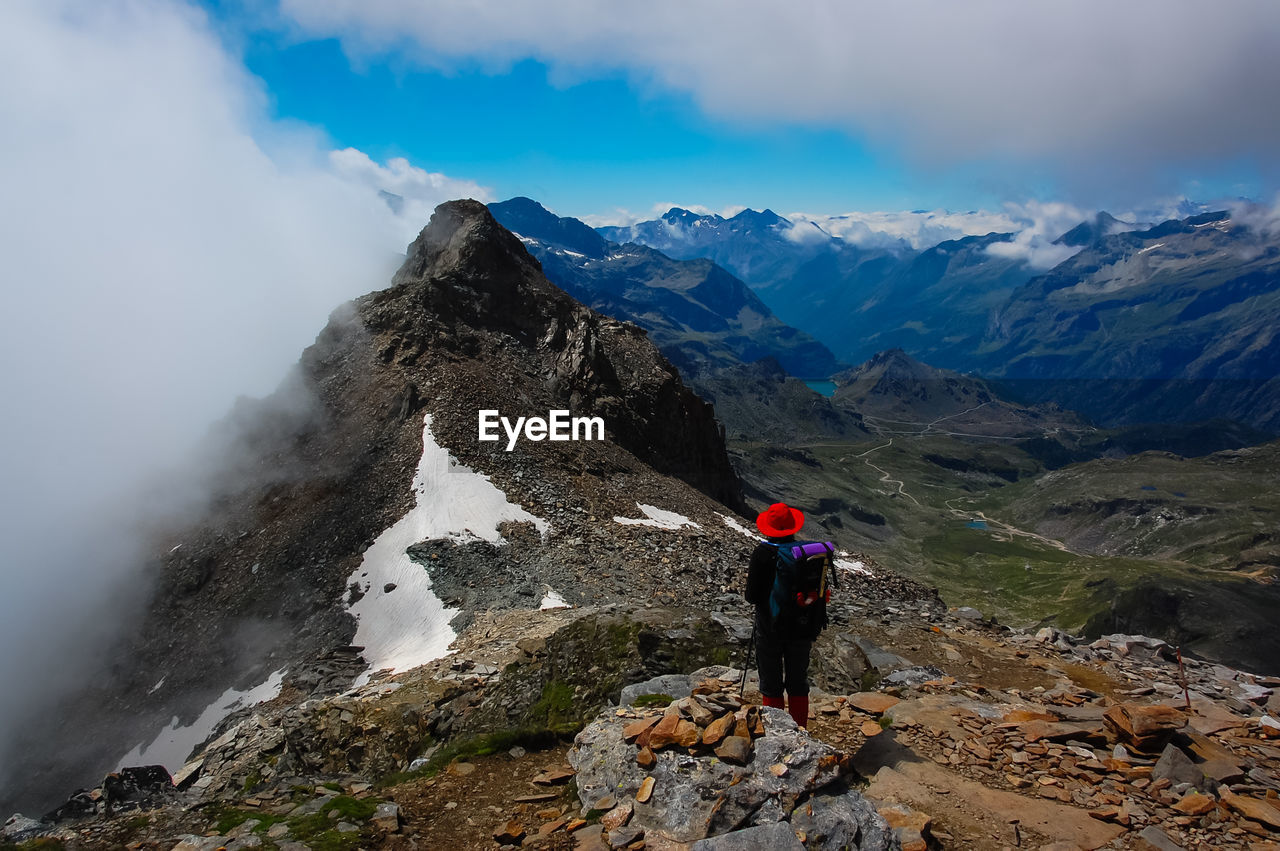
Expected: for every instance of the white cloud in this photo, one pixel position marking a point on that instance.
(166, 247)
(902, 228)
(1108, 92)
(1040, 224)
(1035, 226)
(419, 190)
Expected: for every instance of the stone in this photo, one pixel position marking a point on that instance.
(968, 613)
(645, 758)
(623, 836)
(898, 815)
(279, 830)
(387, 817)
(347, 827)
(1195, 804)
(1059, 731)
(1142, 726)
(1177, 767)
(632, 731)
(1152, 838)
(553, 777)
(590, 838)
(513, 833)
(695, 711)
(191, 842)
(873, 702)
(688, 734)
(717, 730)
(646, 790)
(618, 816)
(664, 734)
(539, 798)
(871, 728)
(1021, 716)
(676, 685)
(18, 827)
(841, 818)
(1252, 808)
(776, 837)
(735, 749)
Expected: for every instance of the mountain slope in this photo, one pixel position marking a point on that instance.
(699, 315)
(373, 447)
(1172, 323)
(900, 394)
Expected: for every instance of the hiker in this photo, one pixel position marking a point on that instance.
(784, 632)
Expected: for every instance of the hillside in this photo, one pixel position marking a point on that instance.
(1173, 323)
(1021, 510)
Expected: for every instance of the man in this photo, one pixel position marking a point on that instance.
(782, 654)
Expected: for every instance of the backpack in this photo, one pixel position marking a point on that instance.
(798, 601)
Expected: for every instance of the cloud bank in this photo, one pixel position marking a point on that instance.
(1098, 93)
(167, 247)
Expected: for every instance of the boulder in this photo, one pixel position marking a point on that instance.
(675, 685)
(1143, 727)
(1177, 767)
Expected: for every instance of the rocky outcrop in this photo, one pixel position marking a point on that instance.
(705, 778)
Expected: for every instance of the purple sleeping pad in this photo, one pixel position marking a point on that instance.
(812, 549)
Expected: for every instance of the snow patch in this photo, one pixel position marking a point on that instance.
(853, 566)
(173, 744)
(657, 518)
(155, 688)
(409, 625)
(738, 527)
(1151, 248)
(553, 600)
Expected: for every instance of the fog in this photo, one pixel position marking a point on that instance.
(166, 247)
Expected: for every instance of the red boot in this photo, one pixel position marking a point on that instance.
(799, 710)
(775, 702)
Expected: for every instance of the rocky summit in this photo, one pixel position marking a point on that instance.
(384, 632)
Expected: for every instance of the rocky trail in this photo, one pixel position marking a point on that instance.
(967, 735)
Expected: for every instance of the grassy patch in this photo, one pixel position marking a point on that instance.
(483, 745)
(320, 832)
(554, 709)
(644, 701)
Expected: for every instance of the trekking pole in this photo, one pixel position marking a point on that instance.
(742, 686)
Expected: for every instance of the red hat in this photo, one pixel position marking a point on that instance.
(779, 520)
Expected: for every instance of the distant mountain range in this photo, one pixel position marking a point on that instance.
(1169, 322)
(1172, 323)
(699, 315)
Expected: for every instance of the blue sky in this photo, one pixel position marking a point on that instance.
(611, 119)
(588, 146)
